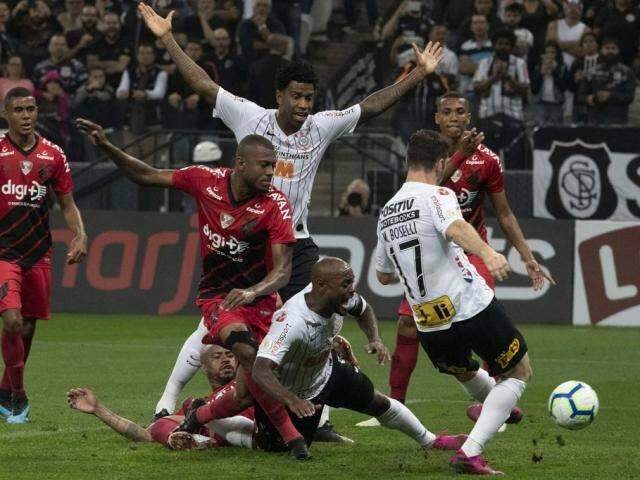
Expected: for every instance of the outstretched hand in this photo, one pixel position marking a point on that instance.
(538, 275)
(158, 25)
(429, 58)
(82, 399)
(94, 131)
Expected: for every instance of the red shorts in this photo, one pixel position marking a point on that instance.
(257, 317)
(483, 271)
(25, 290)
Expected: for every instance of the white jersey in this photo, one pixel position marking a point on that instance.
(440, 283)
(299, 154)
(300, 342)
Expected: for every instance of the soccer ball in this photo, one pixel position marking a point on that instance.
(573, 405)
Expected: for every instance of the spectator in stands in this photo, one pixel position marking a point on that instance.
(8, 43)
(355, 200)
(524, 37)
(33, 26)
(94, 99)
(207, 18)
(417, 107)
(480, 7)
(71, 17)
(13, 76)
(72, 72)
(262, 78)
(502, 82)
(591, 10)
(81, 40)
(472, 52)
(350, 12)
(111, 52)
(184, 106)
(536, 15)
(410, 21)
(449, 66)
(54, 107)
(581, 69)
(289, 12)
(262, 32)
(231, 69)
(453, 13)
(141, 90)
(567, 32)
(611, 88)
(549, 81)
(621, 20)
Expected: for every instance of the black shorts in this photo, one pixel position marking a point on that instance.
(490, 334)
(305, 255)
(347, 387)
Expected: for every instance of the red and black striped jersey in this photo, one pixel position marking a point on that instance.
(27, 181)
(479, 174)
(235, 238)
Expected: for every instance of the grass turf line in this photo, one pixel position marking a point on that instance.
(126, 360)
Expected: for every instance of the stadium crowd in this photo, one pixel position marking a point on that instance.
(548, 61)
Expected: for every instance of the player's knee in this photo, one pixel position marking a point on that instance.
(465, 376)
(522, 371)
(28, 326)
(407, 327)
(379, 404)
(12, 320)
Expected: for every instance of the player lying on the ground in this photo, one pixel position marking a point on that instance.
(472, 172)
(33, 171)
(302, 138)
(296, 364)
(245, 237)
(422, 240)
(219, 365)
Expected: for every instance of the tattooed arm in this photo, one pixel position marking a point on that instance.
(195, 76)
(426, 63)
(84, 400)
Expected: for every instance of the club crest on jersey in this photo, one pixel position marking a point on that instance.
(456, 176)
(226, 220)
(26, 166)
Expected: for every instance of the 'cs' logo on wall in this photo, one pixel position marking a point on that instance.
(580, 186)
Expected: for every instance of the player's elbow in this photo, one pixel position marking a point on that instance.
(386, 278)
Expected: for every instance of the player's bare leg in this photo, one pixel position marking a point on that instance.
(403, 363)
(240, 341)
(185, 367)
(497, 407)
(13, 355)
(394, 415)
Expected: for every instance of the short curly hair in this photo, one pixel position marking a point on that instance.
(298, 71)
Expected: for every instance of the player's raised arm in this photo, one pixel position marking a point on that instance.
(195, 76)
(136, 170)
(468, 144)
(84, 400)
(512, 230)
(426, 63)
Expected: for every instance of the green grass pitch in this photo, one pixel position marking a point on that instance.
(126, 360)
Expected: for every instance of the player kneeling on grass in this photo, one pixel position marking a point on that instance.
(422, 240)
(296, 364)
(219, 365)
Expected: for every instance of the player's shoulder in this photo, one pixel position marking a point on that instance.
(329, 116)
(277, 200)
(48, 148)
(484, 155)
(204, 171)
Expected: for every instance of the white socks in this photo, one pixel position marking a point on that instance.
(399, 417)
(495, 411)
(324, 416)
(238, 430)
(479, 386)
(186, 366)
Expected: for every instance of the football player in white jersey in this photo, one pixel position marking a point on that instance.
(300, 139)
(297, 365)
(422, 238)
